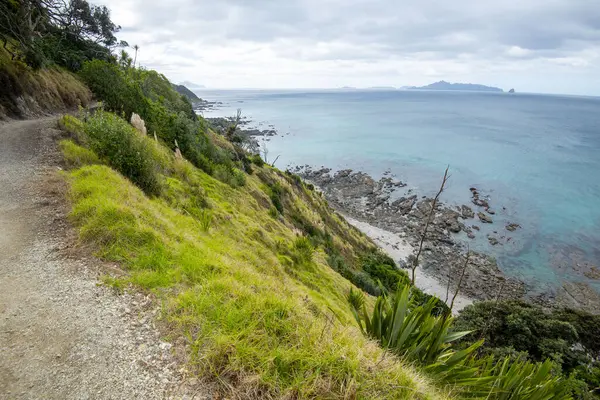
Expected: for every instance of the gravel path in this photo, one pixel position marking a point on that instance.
(62, 336)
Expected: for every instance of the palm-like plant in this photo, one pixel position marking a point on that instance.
(414, 333)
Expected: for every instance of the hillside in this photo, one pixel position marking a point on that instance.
(256, 301)
(27, 92)
(181, 89)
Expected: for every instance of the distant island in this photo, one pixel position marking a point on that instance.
(443, 85)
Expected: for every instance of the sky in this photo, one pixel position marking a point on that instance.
(541, 46)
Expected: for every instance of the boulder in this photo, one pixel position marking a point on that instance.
(493, 241)
(484, 218)
(512, 227)
(467, 212)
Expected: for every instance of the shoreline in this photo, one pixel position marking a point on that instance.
(400, 250)
(395, 224)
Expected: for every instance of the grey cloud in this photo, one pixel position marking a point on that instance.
(381, 28)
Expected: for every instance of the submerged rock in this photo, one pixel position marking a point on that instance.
(512, 227)
(484, 218)
(467, 212)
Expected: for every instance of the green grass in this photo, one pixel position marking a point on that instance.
(252, 317)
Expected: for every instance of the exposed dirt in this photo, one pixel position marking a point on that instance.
(63, 336)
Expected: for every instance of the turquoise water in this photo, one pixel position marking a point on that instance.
(536, 156)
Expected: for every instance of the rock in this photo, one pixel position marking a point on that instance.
(467, 212)
(481, 203)
(484, 218)
(512, 227)
(404, 205)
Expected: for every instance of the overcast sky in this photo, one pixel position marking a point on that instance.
(546, 46)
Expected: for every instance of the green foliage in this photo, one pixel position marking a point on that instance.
(358, 278)
(417, 335)
(206, 220)
(382, 268)
(276, 193)
(245, 320)
(515, 327)
(229, 175)
(125, 149)
(63, 33)
(257, 160)
(303, 250)
(356, 299)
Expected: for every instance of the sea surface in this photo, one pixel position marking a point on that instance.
(537, 157)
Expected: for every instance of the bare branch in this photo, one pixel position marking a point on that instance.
(427, 223)
(462, 275)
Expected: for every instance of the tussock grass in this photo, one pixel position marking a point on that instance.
(254, 320)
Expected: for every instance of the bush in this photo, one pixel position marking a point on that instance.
(382, 268)
(302, 250)
(126, 150)
(229, 175)
(358, 278)
(276, 192)
(257, 160)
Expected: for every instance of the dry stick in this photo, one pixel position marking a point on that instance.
(429, 218)
(462, 275)
(448, 285)
(273, 163)
(491, 315)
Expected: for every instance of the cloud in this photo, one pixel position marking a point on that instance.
(329, 43)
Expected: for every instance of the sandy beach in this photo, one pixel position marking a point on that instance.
(398, 249)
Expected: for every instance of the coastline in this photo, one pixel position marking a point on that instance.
(400, 250)
(395, 224)
(393, 216)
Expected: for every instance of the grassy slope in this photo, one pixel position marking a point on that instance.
(26, 92)
(252, 317)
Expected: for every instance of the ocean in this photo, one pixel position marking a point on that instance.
(537, 157)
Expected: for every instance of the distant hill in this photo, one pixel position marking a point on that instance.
(192, 85)
(443, 85)
(187, 93)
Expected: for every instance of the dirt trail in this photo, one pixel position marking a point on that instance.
(62, 336)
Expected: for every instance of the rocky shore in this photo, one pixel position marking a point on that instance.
(378, 204)
(220, 125)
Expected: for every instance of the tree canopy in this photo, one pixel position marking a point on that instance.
(65, 32)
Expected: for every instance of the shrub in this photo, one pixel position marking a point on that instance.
(418, 335)
(229, 175)
(303, 250)
(358, 278)
(276, 193)
(257, 160)
(114, 140)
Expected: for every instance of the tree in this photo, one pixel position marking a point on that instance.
(66, 32)
(136, 48)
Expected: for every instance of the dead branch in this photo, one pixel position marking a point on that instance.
(428, 221)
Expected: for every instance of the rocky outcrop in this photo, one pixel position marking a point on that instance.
(484, 218)
(360, 196)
